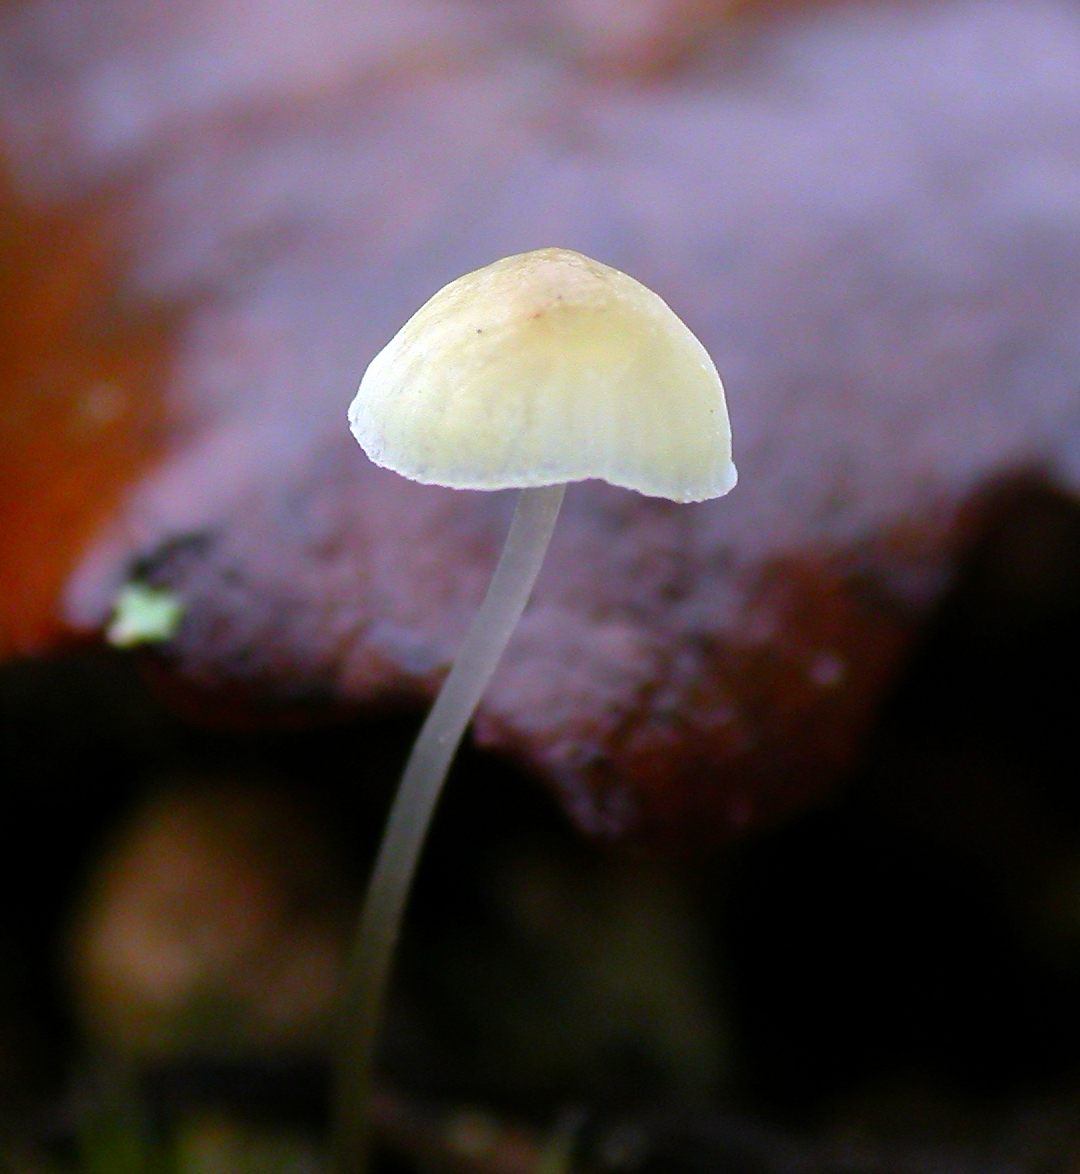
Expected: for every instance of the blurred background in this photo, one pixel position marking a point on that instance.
(765, 854)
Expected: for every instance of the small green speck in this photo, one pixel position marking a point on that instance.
(143, 615)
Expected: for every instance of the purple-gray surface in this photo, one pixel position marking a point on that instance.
(869, 213)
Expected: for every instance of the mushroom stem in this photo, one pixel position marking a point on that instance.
(410, 816)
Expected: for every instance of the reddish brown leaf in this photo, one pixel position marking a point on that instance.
(869, 214)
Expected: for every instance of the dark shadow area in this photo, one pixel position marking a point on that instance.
(926, 924)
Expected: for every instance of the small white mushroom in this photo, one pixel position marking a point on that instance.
(542, 368)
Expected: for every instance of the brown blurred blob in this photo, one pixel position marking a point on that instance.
(215, 921)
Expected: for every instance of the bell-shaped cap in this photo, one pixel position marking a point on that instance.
(547, 367)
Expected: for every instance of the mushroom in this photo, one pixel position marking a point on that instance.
(539, 369)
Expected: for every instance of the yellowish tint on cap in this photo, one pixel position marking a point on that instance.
(547, 367)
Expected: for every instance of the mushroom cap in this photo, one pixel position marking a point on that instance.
(547, 367)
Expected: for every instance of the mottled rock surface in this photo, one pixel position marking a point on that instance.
(870, 214)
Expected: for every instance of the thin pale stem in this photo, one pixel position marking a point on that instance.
(410, 816)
